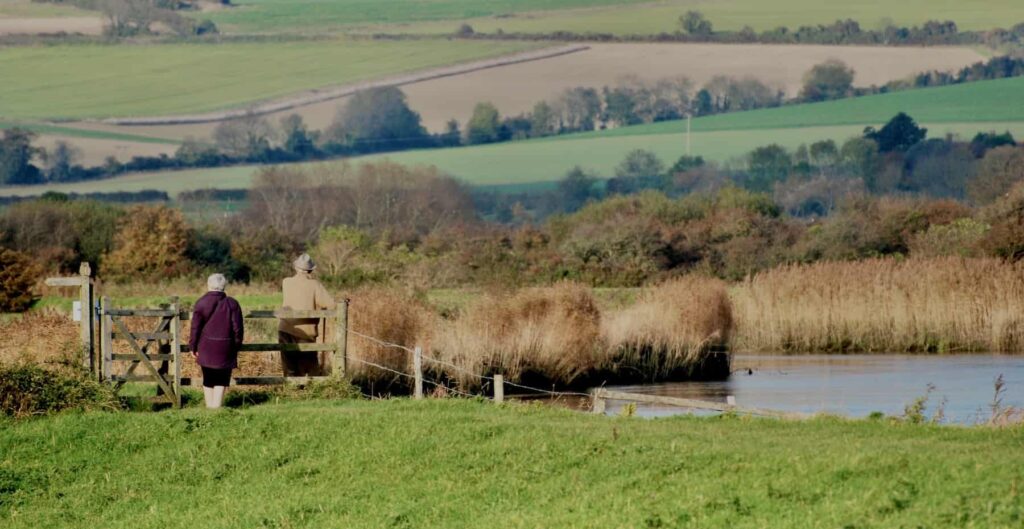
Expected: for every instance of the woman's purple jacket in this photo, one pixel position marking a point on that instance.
(216, 330)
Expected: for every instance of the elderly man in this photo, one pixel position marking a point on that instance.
(302, 292)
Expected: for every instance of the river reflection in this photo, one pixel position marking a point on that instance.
(853, 385)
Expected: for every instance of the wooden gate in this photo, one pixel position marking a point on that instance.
(159, 351)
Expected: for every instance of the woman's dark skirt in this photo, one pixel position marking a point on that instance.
(216, 377)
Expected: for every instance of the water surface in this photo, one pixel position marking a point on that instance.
(853, 385)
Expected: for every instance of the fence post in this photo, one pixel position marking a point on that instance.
(87, 331)
(339, 362)
(597, 402)
(106, 341)
(417, 360)
(176, 350)
(499, 388)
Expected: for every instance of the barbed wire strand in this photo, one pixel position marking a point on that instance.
(458, 368)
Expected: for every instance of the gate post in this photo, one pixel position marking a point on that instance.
(339, 362)
(87, 331)
(176, 350)
(106, 340)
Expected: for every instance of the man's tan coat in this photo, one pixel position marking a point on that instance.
(303, 292)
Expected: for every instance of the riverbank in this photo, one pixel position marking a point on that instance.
(447, 463)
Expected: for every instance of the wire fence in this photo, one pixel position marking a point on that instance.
(535, 391)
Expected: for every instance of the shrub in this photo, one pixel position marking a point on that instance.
(151, 243)
(392, 317)
(17, 277)
(27, 390)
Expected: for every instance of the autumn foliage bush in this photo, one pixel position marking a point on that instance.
(151, 244)
(17, 277)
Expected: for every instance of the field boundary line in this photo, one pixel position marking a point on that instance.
(320, 95)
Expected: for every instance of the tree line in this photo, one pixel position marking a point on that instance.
(693, 26)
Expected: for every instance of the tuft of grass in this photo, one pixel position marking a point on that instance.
(671, 327)
(551, 332)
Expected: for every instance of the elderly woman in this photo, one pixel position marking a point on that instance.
(216, 337)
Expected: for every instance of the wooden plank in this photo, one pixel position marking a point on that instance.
(282, 313)
(86, 330)
(63, 281)
(261, 381)
(132, 378)
(290, 347)
(148, 337)
(692, 403)
(142, 358)
(135, 358)
(152, 313)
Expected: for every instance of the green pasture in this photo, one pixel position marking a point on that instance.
(458, 463)
(306, 15)
(94, 81)
(1000, 100)
(621, 17)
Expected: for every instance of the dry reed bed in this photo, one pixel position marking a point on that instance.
(883, 305)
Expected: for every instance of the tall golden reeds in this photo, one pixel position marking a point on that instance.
(552, 332)
(883, 305)
(391, 316)
(671, 327)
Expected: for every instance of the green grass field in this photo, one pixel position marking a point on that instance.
(93, 81)
(607, 16)
(305, 15)
(404, 463)
(962, 110)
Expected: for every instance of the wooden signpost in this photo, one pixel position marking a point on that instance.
(86, 311)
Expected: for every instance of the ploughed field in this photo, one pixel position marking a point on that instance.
(457, 463)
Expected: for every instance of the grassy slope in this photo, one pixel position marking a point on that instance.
(99, 81)
(463, 464)
(650, 16)
(961, 109)
(299, 15)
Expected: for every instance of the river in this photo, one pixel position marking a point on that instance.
(853, 385)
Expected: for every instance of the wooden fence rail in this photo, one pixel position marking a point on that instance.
(601, 395)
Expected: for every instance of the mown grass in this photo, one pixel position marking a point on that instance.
(444, 463)
(94, 81)
(31, 9)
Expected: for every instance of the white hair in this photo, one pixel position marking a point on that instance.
(217, 282)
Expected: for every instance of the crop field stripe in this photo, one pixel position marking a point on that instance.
(44, 128)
